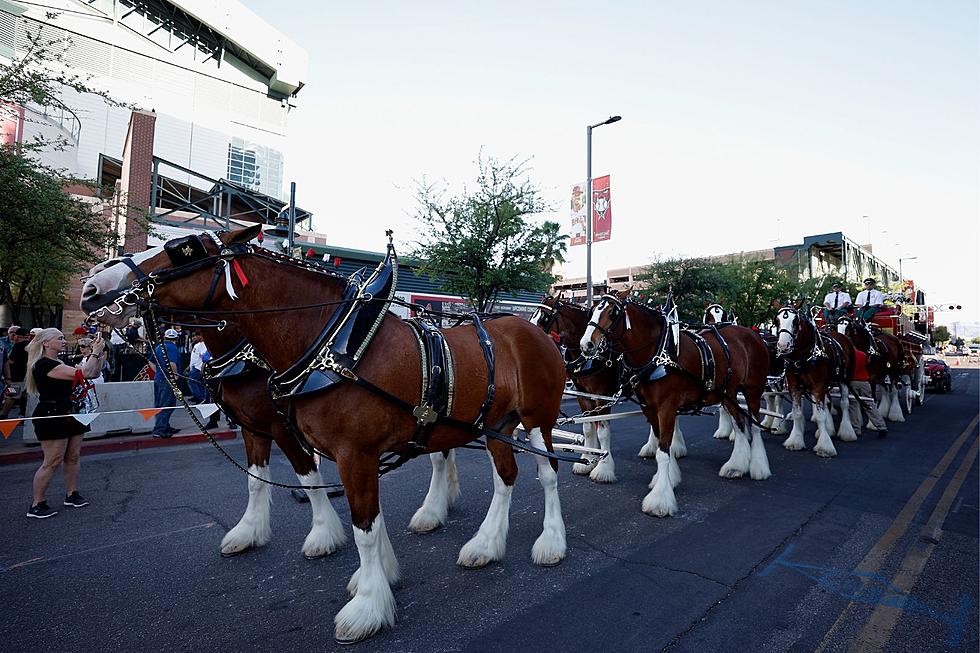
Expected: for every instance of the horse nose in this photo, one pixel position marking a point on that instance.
(90, 296)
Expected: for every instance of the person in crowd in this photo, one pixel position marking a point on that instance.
(86, 350)
(862, 387)
(59, 433)
(869, 301)
(195, 371)
(836, 303)
(164, 356)
(7, 341)
(18, 370)
(134, 334)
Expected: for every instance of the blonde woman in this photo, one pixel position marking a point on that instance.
(60, 437)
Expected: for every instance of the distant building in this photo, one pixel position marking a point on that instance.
(823, 255)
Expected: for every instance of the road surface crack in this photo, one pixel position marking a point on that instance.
(761, 563)
(651, 565)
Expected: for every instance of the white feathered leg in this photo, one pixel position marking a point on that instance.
(605, 469)
(435, 507)
(738, 463)
(825, 446)
(373, 604)
(490, 542)
(678, 447)
(550, 547)
(777, 426)
(649, 450)
(661, 501)
(846, 431)
(591, 440)
(759, 463)
(795, 440)
(828, 416)
(254, 528)
(895, 413)
(725, 427)
(327, 533)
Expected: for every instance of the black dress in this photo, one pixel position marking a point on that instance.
(54, 398)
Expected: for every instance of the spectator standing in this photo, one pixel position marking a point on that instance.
(86, 348)
(60, 437)
(7, 342)
(195, 370)
(165, 354)
(18, 370)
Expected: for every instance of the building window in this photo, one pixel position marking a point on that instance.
(255, 167)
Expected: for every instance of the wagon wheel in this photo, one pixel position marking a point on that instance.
(906, 395)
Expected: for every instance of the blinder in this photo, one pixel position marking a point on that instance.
(183, 251)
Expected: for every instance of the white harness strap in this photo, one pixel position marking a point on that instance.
(229, 288)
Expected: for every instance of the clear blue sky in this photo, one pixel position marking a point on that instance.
(745, 124)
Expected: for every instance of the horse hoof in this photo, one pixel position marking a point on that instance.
(424, 529)
(233, 554)
(347, 641)
(582, 469)
(316, 556)
(479, 563)
(550, 563)
(602, 477)
(731, 473)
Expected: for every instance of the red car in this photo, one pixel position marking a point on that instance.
(938, 376)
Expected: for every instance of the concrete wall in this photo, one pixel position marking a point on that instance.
(112, 396)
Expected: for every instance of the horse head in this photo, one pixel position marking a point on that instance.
(789, 326)
(714, 314)
(608, 322)
(119, 288)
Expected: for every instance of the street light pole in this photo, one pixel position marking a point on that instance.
(588, 219)
(901, 277)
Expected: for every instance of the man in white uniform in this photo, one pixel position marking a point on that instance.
(869, 301)
(836, 303)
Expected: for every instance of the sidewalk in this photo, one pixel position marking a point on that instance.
(13, 450)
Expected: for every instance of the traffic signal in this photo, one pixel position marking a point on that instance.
(954, 307)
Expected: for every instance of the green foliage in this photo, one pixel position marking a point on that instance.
(484, 243)
(46, 235)
(747, 288)
(940, 334)
(975, 340)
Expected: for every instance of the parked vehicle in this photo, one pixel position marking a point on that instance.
(938, 375)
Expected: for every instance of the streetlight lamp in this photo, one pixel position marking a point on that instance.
(588, 220)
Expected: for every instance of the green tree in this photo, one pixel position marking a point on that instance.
(751, 288)
(941, 335)
(483, 243)
(46, 235)
(694, 282)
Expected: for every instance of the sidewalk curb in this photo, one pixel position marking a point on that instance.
(108, 446)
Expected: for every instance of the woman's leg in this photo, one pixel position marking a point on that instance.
(72, 464)
(54, 454)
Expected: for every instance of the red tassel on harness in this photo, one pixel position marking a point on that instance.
(238, 271)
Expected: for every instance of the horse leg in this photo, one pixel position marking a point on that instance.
(253, 529)
(758, 459)
(825, 446)
(661, 501)
(678, 447)
(372, 606)
(724, 429)
(895, 413)
(435, 507)
(774, 404)
(589, 430)
(326, 531)
(828, 415)
(846, 431)
(490, 542)
(550, 547)
(605, 469)
(884, 406)
(649, 450)
(738, 464)
(795, 441)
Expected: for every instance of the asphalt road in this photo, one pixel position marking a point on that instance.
(877, 549)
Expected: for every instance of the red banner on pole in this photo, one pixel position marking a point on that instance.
(601, 209)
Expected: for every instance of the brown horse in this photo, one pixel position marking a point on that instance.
(886, 363)
(596, 377)
(362, 415)
(815, 361)
(669, 375)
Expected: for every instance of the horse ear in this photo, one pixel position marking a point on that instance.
(243, 235)
(775, 304)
